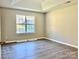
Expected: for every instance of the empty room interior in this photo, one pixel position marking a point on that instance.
(39, 29)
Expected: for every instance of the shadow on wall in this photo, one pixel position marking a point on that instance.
(58, 37)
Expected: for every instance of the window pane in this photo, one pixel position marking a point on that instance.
(20, 19)
(25, 25)
(30, 19)
(20, 28)
(30, 28)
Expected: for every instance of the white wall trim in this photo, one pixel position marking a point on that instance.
(23, 9)
(16, 41)
(63, 43)
(24, 40)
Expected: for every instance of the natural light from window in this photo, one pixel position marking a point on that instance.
(25, 24)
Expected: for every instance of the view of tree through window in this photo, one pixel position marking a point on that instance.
(25, 24)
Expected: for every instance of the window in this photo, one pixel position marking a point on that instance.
(25, 24)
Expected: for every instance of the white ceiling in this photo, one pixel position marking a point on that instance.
(34, 5)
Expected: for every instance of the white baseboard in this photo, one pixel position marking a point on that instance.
(16, 41)
(63, 43)
(24, 40)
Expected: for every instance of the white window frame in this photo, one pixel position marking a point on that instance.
(26, 18)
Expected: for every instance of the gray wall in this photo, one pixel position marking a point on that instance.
(9, 25)
(0, 24)
(61, 25)
(0, 32)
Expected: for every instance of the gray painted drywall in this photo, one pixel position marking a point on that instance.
(9, 25)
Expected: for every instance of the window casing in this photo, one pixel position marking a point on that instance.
(25, 24)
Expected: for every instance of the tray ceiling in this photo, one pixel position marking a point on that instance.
(34, 5)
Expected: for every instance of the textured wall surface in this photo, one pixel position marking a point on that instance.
(61, 24)
(0, 24)
(9, 25)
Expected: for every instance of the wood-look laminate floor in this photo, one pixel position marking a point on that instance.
(40, 49)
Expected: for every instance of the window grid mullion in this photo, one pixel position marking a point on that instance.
(25, 24)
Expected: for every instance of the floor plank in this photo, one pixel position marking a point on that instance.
(40, 49)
